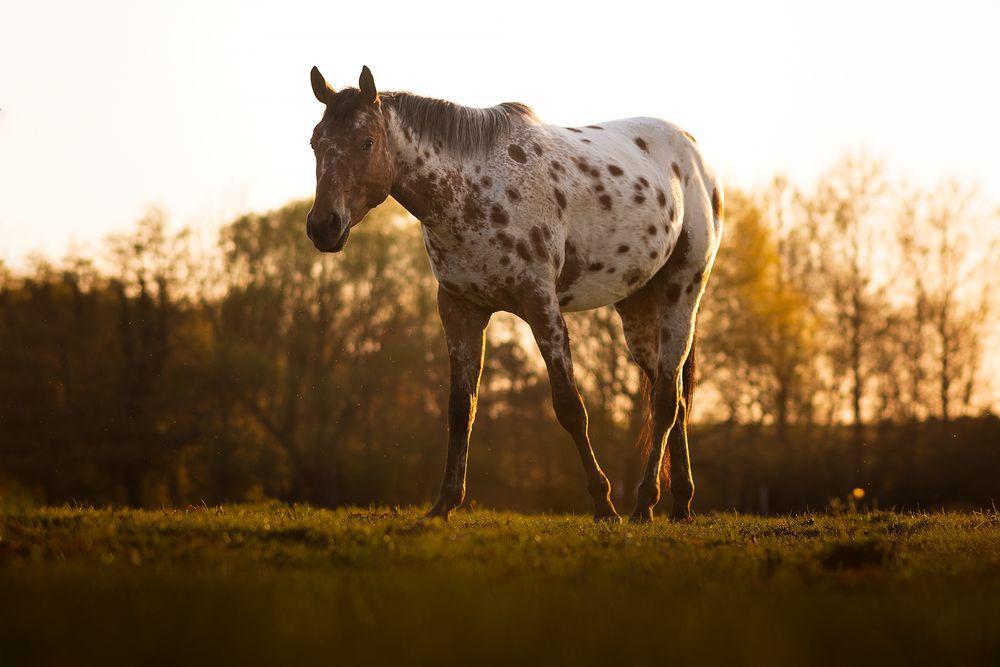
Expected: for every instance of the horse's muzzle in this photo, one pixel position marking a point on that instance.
(328, 235)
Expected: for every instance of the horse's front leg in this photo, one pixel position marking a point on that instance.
(549, 328)
(465, 331)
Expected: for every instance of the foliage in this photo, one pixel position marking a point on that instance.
(162, 375)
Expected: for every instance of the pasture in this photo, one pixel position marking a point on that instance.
(276, 584)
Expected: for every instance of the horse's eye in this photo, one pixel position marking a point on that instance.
(367, 146)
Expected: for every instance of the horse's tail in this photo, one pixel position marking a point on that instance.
(645, 442)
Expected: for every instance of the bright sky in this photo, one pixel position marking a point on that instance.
(204, 107)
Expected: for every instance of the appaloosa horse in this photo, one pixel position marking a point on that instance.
(536, 220)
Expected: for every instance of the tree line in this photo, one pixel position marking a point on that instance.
(846, 341)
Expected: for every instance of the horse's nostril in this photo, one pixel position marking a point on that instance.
(334, 221)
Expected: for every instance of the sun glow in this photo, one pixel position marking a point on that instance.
(204, 108)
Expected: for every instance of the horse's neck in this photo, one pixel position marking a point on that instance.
(430, 178)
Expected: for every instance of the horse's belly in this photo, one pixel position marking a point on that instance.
(613, 269)
(604, 282)
(592, 292)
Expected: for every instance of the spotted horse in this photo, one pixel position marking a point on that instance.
(537, 220)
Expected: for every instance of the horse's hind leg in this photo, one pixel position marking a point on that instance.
(641, 316)
(465, 331)
(677, 290)
(549, 328)
(681, 479)
(676, 330)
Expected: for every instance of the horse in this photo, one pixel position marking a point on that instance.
(536, 220)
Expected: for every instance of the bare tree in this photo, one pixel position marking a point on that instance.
(843, 213)
(949, 258)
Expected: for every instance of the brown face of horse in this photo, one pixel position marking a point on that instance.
(354, 171)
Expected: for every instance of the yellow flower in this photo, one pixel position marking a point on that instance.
(858, 493)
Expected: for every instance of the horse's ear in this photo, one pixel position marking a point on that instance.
(321, 90)
(367, 85)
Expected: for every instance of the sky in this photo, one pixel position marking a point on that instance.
(204, 108)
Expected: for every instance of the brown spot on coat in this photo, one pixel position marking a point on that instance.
(560, 198)
(506, 240)
(673, 292)
(571, 270)
(605, 202)
(638, 199)
(573, 129)
(641, 143)
(651, 230)
(538, 242)
(472, 210)
(716, 204)
(596, 266)
(486, 181)
(522, 249)
(675, 169)
(513, 194)
(661, 198)
(622, 249)
(538, 149)
(499, 215)
(517, 153)
(615, 170)
(595, 127)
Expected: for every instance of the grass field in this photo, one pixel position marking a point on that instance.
(294, 585)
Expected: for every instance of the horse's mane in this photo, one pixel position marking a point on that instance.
(466, 130)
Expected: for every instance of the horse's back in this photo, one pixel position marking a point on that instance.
(691, 186)
(627, 190)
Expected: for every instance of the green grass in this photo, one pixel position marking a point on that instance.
(294, 585)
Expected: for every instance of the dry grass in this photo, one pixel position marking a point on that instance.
(294, 585)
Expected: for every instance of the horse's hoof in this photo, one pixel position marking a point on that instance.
(644, 515)
(681, 516)
(610, 519)
(437, 514)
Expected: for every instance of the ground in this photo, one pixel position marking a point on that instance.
(291, 585)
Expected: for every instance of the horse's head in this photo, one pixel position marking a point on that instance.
(354, 171)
